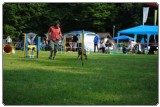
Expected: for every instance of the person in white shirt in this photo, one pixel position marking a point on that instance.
(109, 46)
(9, 40)
(130, 47)
(102, 46)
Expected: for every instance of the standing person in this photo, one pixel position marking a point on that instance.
(9, 40)
(54, 35)
(96, 40)
(75, 40)
(79, 42)
(102, 45)
(70, 43)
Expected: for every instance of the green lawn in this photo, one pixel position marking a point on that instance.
(103, 80)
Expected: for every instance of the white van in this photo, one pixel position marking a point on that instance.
(88, 38)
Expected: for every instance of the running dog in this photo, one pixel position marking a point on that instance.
(80, 54)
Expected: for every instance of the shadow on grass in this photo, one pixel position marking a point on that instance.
(43, 87)
(101, 81)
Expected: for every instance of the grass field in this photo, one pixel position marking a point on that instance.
(103, 80)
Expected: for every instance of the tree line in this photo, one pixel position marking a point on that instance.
(98, 17)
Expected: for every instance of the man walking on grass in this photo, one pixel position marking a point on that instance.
(54, 35)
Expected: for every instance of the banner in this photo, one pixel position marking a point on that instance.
(145, 14)
(155, 17)
(155, 21)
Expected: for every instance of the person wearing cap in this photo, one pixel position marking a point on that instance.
(54, 35)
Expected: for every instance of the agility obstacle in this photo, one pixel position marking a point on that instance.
(82, 47)
(31, 51)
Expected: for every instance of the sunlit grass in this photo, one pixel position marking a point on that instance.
(103, 80)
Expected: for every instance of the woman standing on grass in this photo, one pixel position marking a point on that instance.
(54, 35)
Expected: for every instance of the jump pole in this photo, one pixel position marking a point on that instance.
(64, 45)
(82, 47)
(24, 49)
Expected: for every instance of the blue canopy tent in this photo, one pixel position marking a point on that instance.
(141, 30)
(123, 37)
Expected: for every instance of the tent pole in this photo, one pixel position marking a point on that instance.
(135, 37)
(118, 40)
(148, 37)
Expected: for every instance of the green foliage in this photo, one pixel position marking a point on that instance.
(98, 17)
(103, 80)
(9, 30)
(130, 15)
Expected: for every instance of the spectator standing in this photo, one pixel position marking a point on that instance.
(102, 46)
(96, 40)
(75, 40)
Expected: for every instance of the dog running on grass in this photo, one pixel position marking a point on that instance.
(80, 54)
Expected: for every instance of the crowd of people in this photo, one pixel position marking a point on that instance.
(128, 46)
(100, 44)
(53, 41)
(72, 42)
(104, 46)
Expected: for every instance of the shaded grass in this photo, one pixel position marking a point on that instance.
(103, 80)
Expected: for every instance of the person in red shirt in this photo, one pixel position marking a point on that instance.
(54, 35)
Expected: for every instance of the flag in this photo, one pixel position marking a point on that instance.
(155, 17)
(155, 21)
(145, 14)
